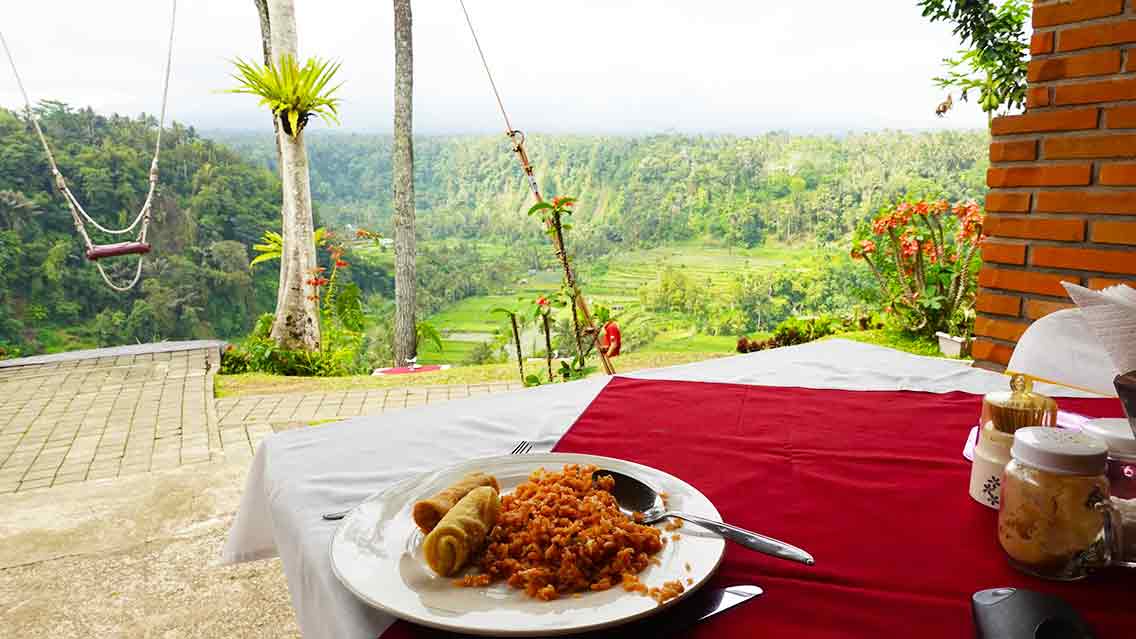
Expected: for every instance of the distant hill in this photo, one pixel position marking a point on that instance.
(211, 206)
(219, 195)
(642, 191)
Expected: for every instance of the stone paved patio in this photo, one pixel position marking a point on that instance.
(73, 420)
(244, 421)
(111, 522)
(107, 413)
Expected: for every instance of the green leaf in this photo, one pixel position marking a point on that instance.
(539, 206)
(426, 331)
(264, 257)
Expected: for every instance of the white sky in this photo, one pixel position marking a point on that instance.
(581, 66)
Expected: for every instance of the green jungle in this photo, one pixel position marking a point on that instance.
(688, 241)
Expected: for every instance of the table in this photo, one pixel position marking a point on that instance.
(297, 475)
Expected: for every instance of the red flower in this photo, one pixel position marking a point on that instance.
(909, 246)
(542, 301)
(865, 247)
(340, 263)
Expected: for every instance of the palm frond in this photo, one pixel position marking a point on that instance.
(292, 92)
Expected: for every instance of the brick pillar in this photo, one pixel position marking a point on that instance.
(1062, 199)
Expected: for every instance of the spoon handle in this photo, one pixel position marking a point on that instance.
(749, 539)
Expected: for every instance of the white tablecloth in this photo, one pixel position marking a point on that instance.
(297, 475)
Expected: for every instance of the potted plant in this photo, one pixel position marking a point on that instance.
(950, 345)
(924, 256)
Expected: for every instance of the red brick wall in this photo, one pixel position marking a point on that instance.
(1062, 200)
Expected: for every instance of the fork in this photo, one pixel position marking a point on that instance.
(520, 449)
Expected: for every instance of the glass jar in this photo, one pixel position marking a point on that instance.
(1018, 407)
(1004, 412)
(1126, 390)
(1056, 519)
(1121, 442)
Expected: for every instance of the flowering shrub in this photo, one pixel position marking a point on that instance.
(343, 347)
(924, 256)
(339, 355)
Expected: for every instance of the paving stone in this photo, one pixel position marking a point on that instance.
(35, 483)
(82, 419)
(70, 478)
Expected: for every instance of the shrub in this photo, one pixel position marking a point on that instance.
(343, 353)
(800, 330)
(924, 256)
(483, 353)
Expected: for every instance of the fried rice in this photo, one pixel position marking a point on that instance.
(560, 533)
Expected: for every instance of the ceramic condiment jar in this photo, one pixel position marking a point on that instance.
(1003, 413)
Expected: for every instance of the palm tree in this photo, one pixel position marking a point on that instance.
(403, 179)
(294, 93)
(266, 50)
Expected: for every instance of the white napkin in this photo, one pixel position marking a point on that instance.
(1112, 315)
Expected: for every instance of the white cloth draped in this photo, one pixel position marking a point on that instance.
(297, 475)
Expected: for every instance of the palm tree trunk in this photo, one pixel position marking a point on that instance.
(403, 179)
(266, 48)
(296, 325)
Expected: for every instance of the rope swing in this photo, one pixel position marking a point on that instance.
(137, 246)
(518, 140)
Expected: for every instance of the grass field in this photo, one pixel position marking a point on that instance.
(265, 384)
(895, 339)
(615, 282)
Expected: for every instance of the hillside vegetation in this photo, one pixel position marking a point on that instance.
(692, 239)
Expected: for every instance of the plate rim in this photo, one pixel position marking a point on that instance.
(549, 632)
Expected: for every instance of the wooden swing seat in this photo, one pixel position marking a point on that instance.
(114, 250)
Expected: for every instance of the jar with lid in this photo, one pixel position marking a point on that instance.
(1121, 442)
(1057, 520)
(1003, 413)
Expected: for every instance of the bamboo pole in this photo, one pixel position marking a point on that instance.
(518, 140)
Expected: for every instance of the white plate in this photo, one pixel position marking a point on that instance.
(376, 553)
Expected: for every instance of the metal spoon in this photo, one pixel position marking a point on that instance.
(634, 496)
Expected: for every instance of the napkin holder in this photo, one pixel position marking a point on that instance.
(1126, 390)
(1003, 413)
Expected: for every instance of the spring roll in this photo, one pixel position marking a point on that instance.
(428, 512)
(462, 531)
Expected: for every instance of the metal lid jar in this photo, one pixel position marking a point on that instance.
(1018, 407)
(1118, 436)
(1052, 522)
(1003, 413)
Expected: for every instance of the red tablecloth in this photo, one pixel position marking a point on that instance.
(873, 484)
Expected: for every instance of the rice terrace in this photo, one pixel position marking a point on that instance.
(420, 320)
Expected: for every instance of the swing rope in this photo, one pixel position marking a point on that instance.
(78, 213)
(518, 139)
